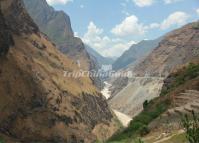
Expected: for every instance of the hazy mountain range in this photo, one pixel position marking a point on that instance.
(135, 53)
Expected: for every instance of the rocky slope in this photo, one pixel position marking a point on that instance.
(135, 53)
(130, 99)
(176, 49)
(37, 103)
(161, 118)
(57, 26)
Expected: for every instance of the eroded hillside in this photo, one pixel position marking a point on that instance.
(37, 103)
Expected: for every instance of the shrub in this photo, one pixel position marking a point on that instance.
(192, 128)
(145, 104)
(1, 140)
(144, 130)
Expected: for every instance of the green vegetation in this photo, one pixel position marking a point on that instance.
(180, 138)
(1, 140)
(153, 109)
(145, 104)
(139, 126)
(191, 72)
(192, 128)
(196, 26)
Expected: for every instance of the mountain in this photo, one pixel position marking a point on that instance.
(161, 119)
(176, 49)
(57, 26)
(101, 59)
(38, 103)
(135, 53)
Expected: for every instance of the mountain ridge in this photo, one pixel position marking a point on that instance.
(133, 55)
(37, 103)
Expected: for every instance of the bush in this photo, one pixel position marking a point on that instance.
(144, 130)
(196, 26)
(145, 104)
(1, 140)
(192, 128)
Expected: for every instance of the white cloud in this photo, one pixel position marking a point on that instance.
(175, 19)
(197, 11)
(128, 27)
(105, 45)
(152, 26)
(143, 3)
(52, 2)
(171, 1)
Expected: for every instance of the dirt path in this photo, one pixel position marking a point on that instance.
(168, 138)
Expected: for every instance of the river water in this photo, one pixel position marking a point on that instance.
(123, 118)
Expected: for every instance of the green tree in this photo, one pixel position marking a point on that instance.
(145, 104)
(191, 124)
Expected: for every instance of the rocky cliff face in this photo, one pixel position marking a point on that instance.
(177, 48)
(37, 103)
(57, 26)
(6, 39)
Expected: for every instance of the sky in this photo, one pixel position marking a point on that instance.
(112, 26)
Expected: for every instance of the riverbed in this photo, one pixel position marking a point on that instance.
(123, 118)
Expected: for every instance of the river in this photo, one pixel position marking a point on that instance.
(123, 118)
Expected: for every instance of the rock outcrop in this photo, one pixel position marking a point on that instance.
(6, 39)
(37, 102)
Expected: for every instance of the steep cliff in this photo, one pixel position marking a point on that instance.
(57, 26)
(6, 39)
(37, 102)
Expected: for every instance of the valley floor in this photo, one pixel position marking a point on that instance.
(123, 118)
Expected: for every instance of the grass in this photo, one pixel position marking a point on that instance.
(191, 72)
(181, 138)
(139, 126)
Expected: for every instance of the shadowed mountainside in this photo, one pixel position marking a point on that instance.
(37, 103)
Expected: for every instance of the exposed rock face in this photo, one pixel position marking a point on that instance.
(136, 53)
(16, 15)
(57, 26)
(37, 103)
(131, 98)
(6, 39)
(176, 49)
